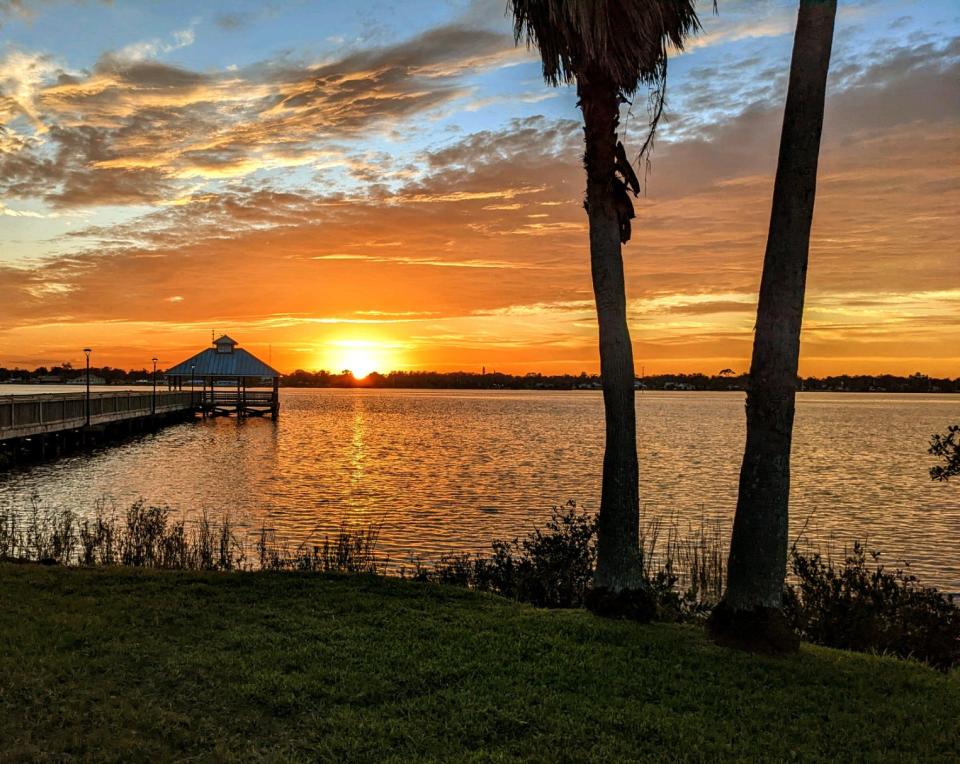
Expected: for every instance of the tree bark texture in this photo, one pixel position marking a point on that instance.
(618, 553)
(758, 548)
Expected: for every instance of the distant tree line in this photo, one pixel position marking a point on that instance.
(455, 380)
(725, 380)
(67, 373)
(468, 380)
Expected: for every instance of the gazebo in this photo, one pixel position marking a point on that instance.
(226, 374)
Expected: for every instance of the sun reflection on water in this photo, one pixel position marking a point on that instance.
(358, 453)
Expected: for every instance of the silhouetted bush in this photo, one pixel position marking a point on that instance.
(550, 567)
(98, 542)
(142, 536)
(859, 605)
(947, 449)
(553, 567)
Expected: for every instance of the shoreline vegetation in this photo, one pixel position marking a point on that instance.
(726, 380)
(850, 601)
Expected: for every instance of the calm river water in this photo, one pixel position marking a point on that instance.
(449, 471)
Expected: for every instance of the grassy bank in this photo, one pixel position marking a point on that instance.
(122, 664)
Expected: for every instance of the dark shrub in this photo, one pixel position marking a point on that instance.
(98, 541)
(947, 449)
(457, 570)
(551, 567)
(684, 568)
(858, 605)
(350, 550)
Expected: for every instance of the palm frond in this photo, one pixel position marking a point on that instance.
(624, 41)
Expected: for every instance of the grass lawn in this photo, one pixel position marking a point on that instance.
(138, 665)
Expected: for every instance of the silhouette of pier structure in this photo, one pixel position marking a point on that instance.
(49, 424)
(219, 381)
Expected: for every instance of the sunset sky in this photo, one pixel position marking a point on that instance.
(392, 183)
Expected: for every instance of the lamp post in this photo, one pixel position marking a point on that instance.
(153, 405)
(193, 368)
(86, 352)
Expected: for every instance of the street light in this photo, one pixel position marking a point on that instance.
(86, 352)
(193, 368)
(153, 406)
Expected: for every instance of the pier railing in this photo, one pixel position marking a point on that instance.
(232, 397)
(27, 415)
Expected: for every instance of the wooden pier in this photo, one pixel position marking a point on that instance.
(26, 416)
(231, 381)
(48, 425)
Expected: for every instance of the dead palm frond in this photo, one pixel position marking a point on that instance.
(623, 42)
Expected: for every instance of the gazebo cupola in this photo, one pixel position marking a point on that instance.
(225, 344)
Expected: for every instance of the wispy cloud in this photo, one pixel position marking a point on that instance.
(146, 49)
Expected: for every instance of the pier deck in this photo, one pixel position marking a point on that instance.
(27, 416)
(48, 425)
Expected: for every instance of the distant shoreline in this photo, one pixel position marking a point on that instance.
(100, 387)
(725, 381)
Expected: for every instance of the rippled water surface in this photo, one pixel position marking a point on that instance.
(449, 470)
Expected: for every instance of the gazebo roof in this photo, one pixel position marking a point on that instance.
(212, 362)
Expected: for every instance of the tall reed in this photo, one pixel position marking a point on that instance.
(689, 561)
(152, 537)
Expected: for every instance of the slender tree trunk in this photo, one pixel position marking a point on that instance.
(618, 560)
(749, 615)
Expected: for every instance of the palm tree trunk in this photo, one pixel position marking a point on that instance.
(618, 561)
(749, 615)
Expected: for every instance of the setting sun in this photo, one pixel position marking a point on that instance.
(359, 357)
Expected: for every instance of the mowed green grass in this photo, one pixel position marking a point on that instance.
(136, 665)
